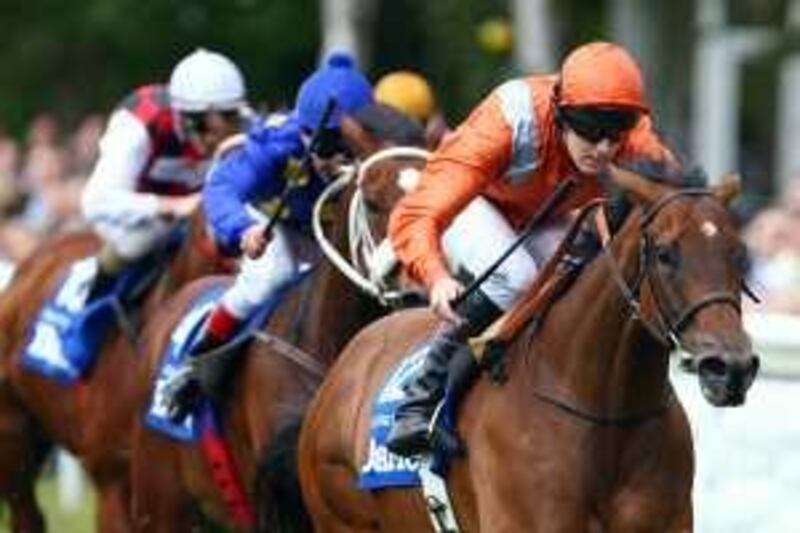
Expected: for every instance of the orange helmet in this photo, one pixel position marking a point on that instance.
(408, 92)
(602, 74)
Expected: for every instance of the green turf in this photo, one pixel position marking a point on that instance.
(80, 520)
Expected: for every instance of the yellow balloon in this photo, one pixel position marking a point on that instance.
(495, 36)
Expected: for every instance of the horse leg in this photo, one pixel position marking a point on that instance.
(158, 503)
(643, 514)
(22, 451)
(112, 507)
(336, 505)
(26, 516)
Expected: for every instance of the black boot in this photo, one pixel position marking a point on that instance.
(204, 374)
(109, 266)
(410, 433)
(185, 390)
(101, 285)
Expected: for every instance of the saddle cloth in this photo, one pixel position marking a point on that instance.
(67, 333)
(383, 468)
(183, 338)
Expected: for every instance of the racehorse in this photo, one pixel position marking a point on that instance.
(586, 433)
(277, 376)
(91, 419)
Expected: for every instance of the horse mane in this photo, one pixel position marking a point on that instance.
(376, 126)
(544, 292)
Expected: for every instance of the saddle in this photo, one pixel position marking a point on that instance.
(69, 331)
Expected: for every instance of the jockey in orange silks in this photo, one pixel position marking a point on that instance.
(489, 177)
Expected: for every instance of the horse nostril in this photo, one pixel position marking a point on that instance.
(755, 364)
(749, 369)
(712, 367)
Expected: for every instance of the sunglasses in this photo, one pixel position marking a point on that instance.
(595, 125)
(196, 123)
(595, 134)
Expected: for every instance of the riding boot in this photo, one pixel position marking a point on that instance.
(410, 432)
(196, 380)
(109, 265)
(101, 285)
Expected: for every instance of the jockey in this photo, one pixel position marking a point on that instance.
(411, 93)
(300, 153)
(154, 155)
(487, 179)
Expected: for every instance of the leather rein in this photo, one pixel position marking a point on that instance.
(670, 324)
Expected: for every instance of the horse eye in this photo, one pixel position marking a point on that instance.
(667, 255)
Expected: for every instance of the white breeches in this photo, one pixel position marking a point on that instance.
(287, 253)
(132, 242)
(479, 235)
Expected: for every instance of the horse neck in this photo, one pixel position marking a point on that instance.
(337, 309)
(589, 352)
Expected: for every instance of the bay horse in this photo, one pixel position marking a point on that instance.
(92, 419)
(586, 434)
(173, 483)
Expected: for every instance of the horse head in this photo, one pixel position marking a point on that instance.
(389, 155)
(691, 271)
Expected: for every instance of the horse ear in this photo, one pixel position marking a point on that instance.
(358, 138)
(728, 188)
(641, 188)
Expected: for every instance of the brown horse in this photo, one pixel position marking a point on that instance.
(586, 434)
(91, 419)
(172, 479)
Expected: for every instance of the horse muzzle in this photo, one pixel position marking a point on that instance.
(724, 381)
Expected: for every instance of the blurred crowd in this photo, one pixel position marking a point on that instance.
(42, 175)
(41, 178)
(773, 237)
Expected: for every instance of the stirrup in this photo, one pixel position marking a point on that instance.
(177, 399)
(442, 439)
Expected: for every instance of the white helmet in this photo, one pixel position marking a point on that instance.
(204, 81)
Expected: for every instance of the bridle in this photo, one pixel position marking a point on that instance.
(670, 324)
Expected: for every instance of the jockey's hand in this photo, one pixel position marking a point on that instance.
(171, 207)
(254, 242)
(443, 292)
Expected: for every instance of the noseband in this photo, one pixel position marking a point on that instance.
(672, 324)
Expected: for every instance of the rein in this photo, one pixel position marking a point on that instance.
(667, 334)
(362, 241)
(670, 329)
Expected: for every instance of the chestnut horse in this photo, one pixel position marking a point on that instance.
(172, 480)
(586, 434)
(91, 419)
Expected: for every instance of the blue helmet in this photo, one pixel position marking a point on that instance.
(337, 79)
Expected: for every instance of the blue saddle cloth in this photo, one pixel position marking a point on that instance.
(64, 339)
(384, 468)
(183, 338)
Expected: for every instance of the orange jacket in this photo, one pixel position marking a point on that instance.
(510, 151)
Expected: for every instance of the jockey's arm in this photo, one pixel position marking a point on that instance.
(246, 174)
(471, 157)
(110, 192)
